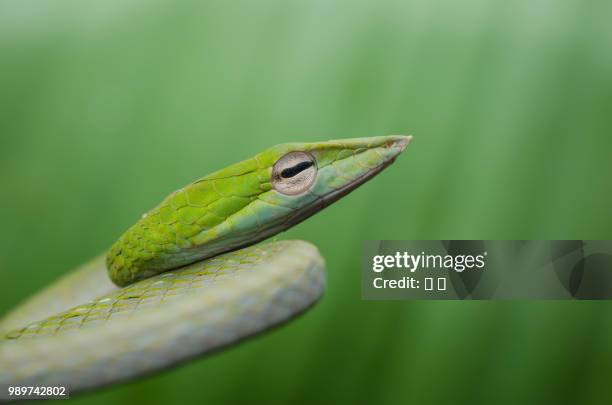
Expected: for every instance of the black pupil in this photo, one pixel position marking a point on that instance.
(293, 170)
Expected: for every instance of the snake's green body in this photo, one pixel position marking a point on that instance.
(190, 278)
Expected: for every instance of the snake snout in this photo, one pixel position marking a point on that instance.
(400, 142)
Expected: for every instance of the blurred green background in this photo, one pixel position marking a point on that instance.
(106, 107)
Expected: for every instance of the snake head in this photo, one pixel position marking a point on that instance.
(247, 202)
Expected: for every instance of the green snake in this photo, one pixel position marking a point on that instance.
(188, 278)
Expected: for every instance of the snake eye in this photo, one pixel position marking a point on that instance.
(294, 173)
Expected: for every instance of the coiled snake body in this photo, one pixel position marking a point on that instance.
(187, 278)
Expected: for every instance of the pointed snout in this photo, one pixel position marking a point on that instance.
(401, 141)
